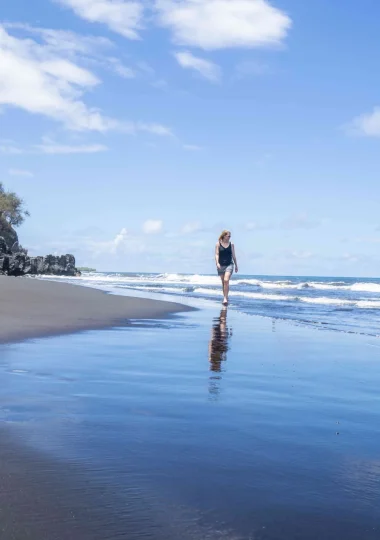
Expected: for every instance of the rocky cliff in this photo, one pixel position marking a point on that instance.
(16, 263)
(8, 234)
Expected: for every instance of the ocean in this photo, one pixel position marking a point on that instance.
(330, 303)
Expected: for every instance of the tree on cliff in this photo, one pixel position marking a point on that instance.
(12, 209)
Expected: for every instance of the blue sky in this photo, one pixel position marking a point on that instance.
(135, 131)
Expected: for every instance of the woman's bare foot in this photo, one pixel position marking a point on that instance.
(225, 302)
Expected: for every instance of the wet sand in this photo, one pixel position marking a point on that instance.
(31, 308)
(40, 500)
(214, 426)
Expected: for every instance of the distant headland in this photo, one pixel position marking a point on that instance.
(14, 258)
(86, 269)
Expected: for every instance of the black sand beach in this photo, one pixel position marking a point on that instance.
(32, 308)
(213, 426)
(41, 499)
(38, 497)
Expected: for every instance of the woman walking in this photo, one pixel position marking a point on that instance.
(225, 259)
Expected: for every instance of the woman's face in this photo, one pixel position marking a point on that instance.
(226, 237)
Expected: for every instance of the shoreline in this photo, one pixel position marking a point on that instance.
(32, 308)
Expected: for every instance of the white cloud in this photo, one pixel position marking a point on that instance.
(41, 82)
(21, 172)
(118, 67)
(217, 24)
(40, 79)
(152, 226)
(207, 69)
(191, 227)
(9, 147)
(64, 42)
(121, 16)
(88, 49)
(154, 129)
(49, 147)
(122, 243)
(119, 240)
(70, 73)
(366, 124)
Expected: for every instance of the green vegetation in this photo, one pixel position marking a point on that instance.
(12, 209)
(86, 269)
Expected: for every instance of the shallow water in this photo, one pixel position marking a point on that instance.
(332, 303)
(208, 426)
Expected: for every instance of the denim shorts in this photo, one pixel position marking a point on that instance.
(224, 269)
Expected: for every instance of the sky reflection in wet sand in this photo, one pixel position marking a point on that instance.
(223, 426)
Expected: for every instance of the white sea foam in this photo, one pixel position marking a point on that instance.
(255, 296)
(366, 287)
(166, 277)
(328, 301)
(199, 279)
(322, 300)
(169, 290)
(334, 286)
(314, 299)
(207, 280)
(369, 304)
(210, 286)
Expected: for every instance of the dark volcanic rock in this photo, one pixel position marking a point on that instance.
(20, 264)
(4, 264)
(17, 264)
(8, 233)
(3, 246)
(63, 265)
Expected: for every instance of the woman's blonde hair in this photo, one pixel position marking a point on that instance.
(223, 234)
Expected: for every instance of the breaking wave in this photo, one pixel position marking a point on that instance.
(340, 303)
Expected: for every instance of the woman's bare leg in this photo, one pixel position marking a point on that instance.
(222, 278)
(226, 286)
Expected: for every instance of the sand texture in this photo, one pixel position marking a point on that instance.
(32, 308)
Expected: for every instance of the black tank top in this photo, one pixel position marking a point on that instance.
(225, 255)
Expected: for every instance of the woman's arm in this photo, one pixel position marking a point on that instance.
(217, 255)
(234, 258)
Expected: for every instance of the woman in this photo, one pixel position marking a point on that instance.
(225, 259)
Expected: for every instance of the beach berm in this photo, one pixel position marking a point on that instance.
(31, 308)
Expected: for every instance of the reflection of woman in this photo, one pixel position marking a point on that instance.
(218, 346)
(225, 259)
